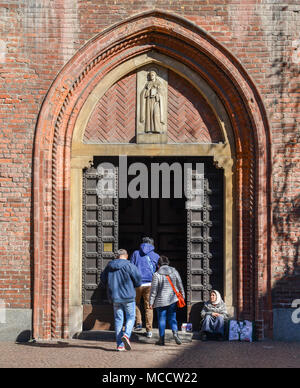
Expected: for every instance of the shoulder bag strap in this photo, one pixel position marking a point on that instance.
(172, 285)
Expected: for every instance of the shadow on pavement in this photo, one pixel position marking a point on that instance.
(63, 345)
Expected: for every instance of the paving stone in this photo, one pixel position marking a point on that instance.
(196, 354)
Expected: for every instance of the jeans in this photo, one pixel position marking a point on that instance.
(213, 324)
(145, 293)
(167, 313)
(124, 311)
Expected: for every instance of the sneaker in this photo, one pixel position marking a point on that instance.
(121, 348)
(126, 342)
(138, 327)
(177, 339)
(149, 334)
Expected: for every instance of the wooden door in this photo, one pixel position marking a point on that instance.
(191, 238)
(205, 258)
(99, 244)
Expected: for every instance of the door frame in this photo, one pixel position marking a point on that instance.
(83, 155)
(80, 162)
(188, 272)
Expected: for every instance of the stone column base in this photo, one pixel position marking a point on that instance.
(16, 325)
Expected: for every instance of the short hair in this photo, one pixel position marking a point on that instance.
(148, 240)
(163, 260)
(121, 252)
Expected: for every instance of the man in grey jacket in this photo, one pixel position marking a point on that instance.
(164, 299)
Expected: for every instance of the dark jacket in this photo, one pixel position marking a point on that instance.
(121, 278)
(162, 293)
(139, 259)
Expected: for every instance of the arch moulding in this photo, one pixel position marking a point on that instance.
(158, 35)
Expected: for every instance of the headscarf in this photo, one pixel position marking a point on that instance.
(218, 300)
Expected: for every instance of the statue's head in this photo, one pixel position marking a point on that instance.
(152, 75)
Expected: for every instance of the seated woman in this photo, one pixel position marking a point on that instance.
(214, 314)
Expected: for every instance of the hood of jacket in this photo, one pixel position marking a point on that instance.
(146, 248)
(117, 264)
(166, 270)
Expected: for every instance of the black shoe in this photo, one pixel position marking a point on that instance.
(161, 341)
(138, 327)
(203, 336)
(177, 339)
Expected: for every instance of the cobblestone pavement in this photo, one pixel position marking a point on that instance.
(96, 354)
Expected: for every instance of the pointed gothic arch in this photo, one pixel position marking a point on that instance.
(183, 41)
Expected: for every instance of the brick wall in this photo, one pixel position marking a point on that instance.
(113, 119)
(37, 37)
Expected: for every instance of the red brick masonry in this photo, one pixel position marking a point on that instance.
(191, 45)
(248, 51)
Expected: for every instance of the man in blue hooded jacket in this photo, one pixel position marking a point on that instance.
(145, 259)
(122, 278)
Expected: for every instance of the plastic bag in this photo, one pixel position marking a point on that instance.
(234, 330)
(240, 330)
(246, 331)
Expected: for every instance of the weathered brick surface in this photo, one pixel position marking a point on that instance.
(113, 120)
(190, 119)
(37, 38)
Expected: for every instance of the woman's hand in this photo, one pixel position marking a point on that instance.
(151, 307)
(215, 314)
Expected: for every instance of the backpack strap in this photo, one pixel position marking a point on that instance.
(150, 264)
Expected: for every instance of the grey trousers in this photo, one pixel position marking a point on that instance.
(213, 324)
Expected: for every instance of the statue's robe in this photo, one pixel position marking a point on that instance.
(152, 107)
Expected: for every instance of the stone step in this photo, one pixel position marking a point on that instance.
(137, 336)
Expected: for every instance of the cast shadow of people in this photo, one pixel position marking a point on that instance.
(195, 318)
(63, 344)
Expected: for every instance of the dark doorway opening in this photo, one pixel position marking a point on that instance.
(163, 219)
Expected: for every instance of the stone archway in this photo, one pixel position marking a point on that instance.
(172, 36)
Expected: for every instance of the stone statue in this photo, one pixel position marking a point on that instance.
(152, 107)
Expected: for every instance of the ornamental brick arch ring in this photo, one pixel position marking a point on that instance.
(176, 38)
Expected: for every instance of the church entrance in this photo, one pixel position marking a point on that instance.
(190, 234)
(210, 106)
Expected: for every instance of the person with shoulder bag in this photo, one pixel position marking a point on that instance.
(165, 295)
